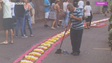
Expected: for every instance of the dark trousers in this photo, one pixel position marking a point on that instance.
(76, 38)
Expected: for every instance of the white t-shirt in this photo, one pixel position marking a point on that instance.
(87, 9)
(7, 9)
(80, 4)
(65, 6)
(12, 9)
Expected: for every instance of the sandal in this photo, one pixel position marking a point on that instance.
(11, 42)
(52, 28)
(5, 43)
(31, 35)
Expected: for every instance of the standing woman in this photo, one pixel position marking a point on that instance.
(19, 14)
(27, 18)
(57, 8)
(88, 14)
(105, 8)
(66, 18)
(52, 14)
(32, 12)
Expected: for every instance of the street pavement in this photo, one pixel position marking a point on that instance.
(94, 47)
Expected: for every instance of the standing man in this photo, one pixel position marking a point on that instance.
(76, 28)
(81, 5)
(46, 9)
(7, 20)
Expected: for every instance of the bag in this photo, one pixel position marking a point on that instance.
(32, 11)
(62, 13)
(0, 6)
(84, 17)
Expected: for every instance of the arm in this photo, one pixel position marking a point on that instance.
(29, 7)
(0, 7)
(58, 9)
(46, 5)
(1, 1)
(77, 18)
(1, 4)
(84, 10)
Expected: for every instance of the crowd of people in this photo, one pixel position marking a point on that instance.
(17, 14)
(54, 12)
(20, 12)
(72, 14)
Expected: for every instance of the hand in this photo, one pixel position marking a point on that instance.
(71, 15)
(67, 29)
(1, 1)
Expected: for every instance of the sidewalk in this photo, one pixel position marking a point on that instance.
(92, 51)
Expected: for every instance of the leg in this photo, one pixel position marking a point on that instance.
(63, 22)
(13, 19)
(79, 39)
(6, 36)
(105, 13)
(22, 22)
(57, 20)
(67, 18)
(73, 39)
(45, 21)
(11, 26)
(46, 18)
(86, 25)
(53, 23)
(11, 32)
(17, 26)
(6, 28)
(30, 26)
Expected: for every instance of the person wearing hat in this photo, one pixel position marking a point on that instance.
(81, 5)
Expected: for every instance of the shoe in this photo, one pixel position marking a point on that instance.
(16, 36)
(4, 43)
(11, 42)
(65, 52)
(24, 36)
(31, 35)
(57, 26)
(52, 28)
(76, 54)
(72, 53)
(46, 26)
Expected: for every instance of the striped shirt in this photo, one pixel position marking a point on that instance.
(77, 25)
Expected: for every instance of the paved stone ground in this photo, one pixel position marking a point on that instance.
(94, 48)
(93, 40)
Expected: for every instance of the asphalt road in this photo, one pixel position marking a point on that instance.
(94, 47)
